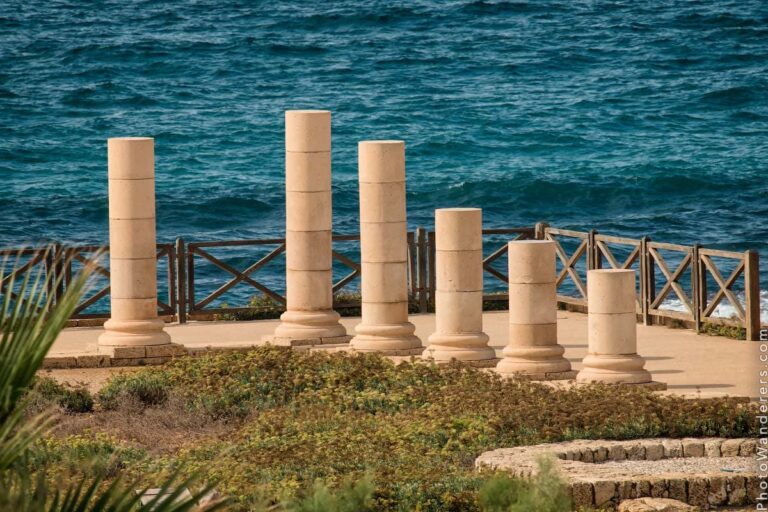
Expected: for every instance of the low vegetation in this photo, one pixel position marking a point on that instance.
(277, 428)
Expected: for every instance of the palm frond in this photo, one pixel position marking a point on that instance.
(31, 318)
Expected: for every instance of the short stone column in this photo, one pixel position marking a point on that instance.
(133, 319)
(612, 330)
(532, 349)
(459, 289)
(309, 317)
(384, 252)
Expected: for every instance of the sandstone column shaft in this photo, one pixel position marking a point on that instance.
(612, 330)
(384, 251)
(459, 287)
(532, 347)
(309, 315)
(132, 243)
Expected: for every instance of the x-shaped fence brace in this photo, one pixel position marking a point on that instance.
(569, 262)
(672, 278)
(523, 235)
(725, 287)
(239, 276)
(605, 251)
(39, 256)
(245, 275)
(91, 256)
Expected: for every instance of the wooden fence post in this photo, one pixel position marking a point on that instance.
(593, 259)
(643, 253)
(540, 230)
(697, 277)
(650, 281)
(752, 292)
(421, 267)
(181, 281)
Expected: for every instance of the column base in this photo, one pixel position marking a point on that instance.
(533, 360)
(387, 339)
(566, 375)
(466, 347)
(133, 333)
(307, 342)
(308, 328)
(614, 369)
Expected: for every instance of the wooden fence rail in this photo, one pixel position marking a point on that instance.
(697, 280)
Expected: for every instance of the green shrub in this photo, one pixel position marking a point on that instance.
(145, 388)
(546, 492)
(284, 419)
(47, 392)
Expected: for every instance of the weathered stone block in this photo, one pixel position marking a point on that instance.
(672, 448)
(636, 452)
(748, 448)
(698, 491)
(712, 448)
(659, 488)
(605, 492)
(643, 488)
(653, 450)
(123, 352)
(601, 454)
(583, 494)
(617, 453)
(169, 350)
(678, 489)
(747, 491)
(718, 492)
(693, 447)
(60, 362)
(93, 361)
(730, 447)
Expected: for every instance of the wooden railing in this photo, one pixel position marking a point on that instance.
(665, 273)
(698, 279)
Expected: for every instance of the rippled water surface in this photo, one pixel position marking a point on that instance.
(630, 117)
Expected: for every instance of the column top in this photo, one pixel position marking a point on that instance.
(381, 161)
(459, 229)
(308, 131)
(461, 209)
(611, 291)
(531, 261)
(382, 142)
(131, 158)
(308, 111)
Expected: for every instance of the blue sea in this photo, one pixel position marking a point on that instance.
(630, 117)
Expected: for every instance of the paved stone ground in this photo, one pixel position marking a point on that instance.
(704, 472)
(690, 364)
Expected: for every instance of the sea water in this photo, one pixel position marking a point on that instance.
(630, 117)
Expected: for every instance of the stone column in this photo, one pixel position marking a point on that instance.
(459, 289)
(384, 252)
(612, 330)
(309, 317)
(532, 348)
(132, 247)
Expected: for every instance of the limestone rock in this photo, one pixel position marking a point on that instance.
(656, 505)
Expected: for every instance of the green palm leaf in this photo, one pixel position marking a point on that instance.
(30, 321)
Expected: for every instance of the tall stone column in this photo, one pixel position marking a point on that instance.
(309, 317)
(132, 247)
(384, 252)
(459, 289)
(533, 348)
(612, 330)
